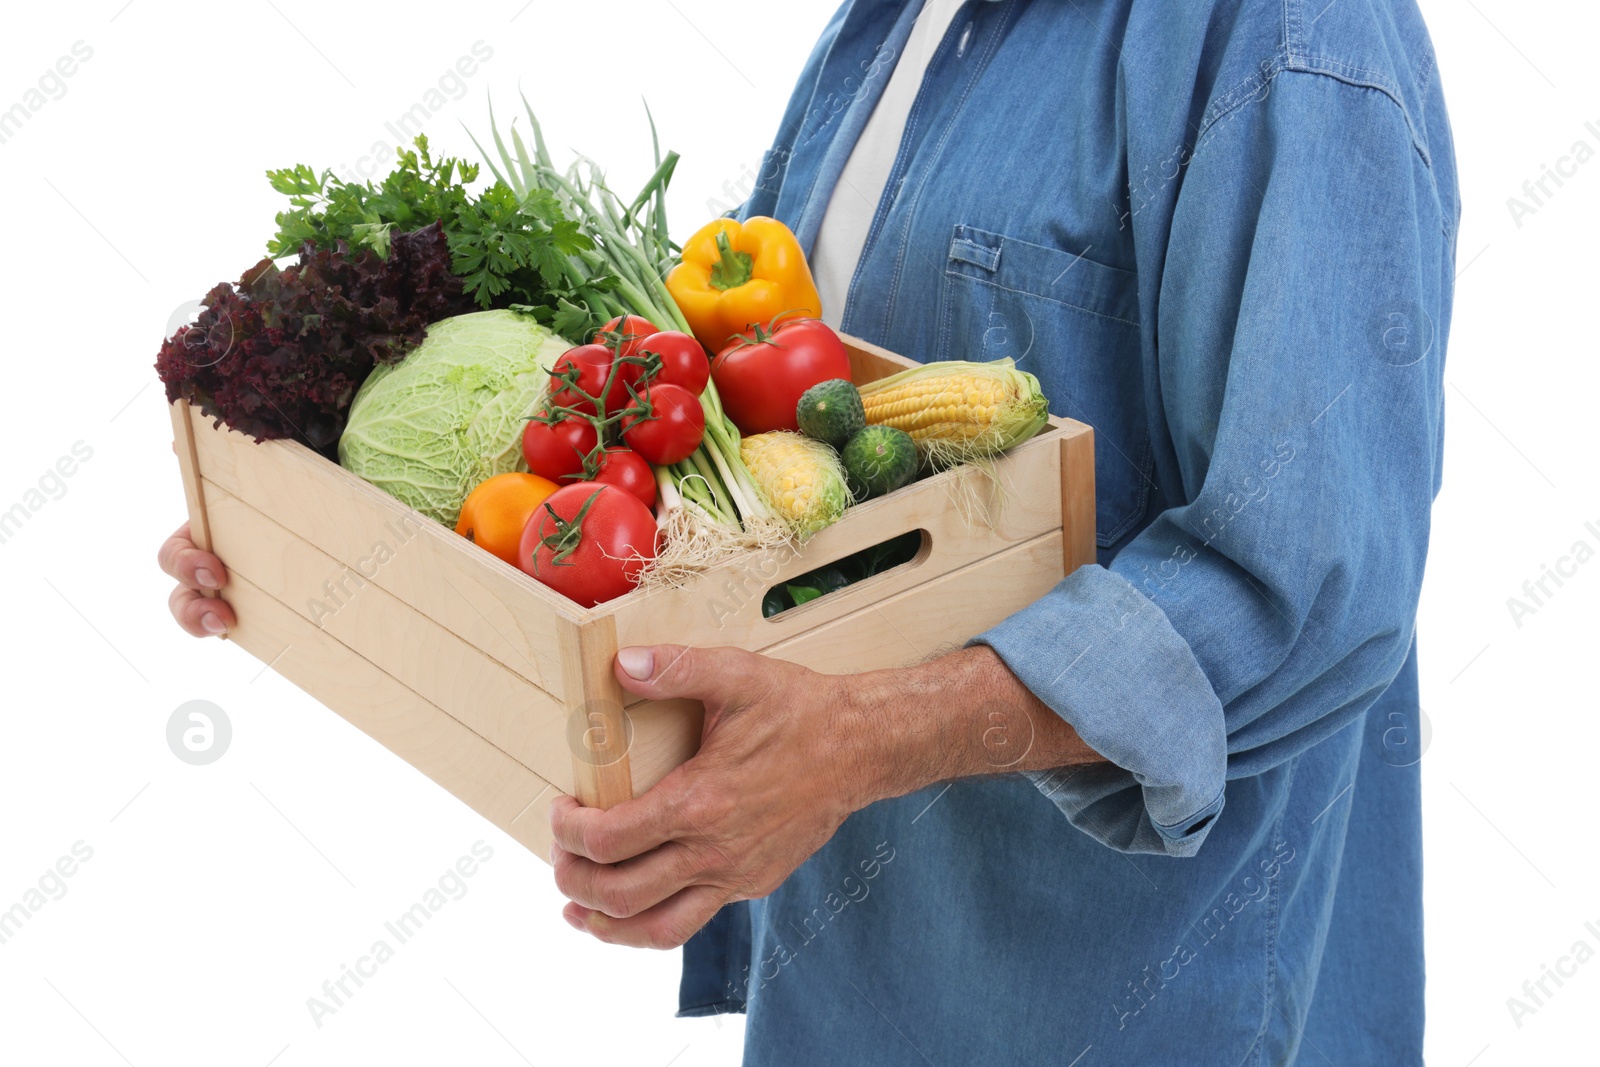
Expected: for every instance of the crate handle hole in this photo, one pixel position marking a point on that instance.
(853, 571)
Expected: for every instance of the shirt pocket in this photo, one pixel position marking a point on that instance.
(1073, 323)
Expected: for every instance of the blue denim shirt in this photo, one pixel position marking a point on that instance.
(1221, 232)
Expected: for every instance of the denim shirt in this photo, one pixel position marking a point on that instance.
(1222, 233)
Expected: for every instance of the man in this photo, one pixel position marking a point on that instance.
(1222, 233)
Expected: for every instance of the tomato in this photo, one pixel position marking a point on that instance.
(760, 383)
(594, 366)
(557, 452)
(625, 469)
(589, 542)
(674, 432)
(495, 513)
(634, 328)
(683, 360)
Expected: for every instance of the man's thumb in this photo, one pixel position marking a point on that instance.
(665, 671)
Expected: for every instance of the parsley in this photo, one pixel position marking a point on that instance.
(507, 252)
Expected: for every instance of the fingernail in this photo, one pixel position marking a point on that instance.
(572, 920)
(637, 662)
(212, 624)
(206, 578)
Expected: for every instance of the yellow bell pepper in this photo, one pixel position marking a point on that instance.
(734, 276)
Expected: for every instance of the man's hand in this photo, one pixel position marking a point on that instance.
(767, 789)
(196, 572)
(786, 755)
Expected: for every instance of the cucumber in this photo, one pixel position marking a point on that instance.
(879, 460)
(830, 411)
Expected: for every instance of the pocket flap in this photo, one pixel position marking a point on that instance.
(1069, 278)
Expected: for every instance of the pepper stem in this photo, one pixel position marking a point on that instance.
(734, 268)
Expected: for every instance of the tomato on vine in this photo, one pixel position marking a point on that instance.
(683, 360)
(627, 470)
(589, 542)
(673, 429)
(633, 330)
(557, 451)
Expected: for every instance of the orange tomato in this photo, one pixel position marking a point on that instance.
(494, 514)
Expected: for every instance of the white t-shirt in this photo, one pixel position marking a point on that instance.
(855, 199)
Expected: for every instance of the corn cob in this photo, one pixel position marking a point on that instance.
(801, 480)
(957, 411)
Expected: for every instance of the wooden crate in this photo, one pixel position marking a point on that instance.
(501, 690)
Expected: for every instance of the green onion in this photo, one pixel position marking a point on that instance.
(624, 274)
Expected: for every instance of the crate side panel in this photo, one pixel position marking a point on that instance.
(483, 600)
(483, 777)
(869, 362)
(932, 618)
(504, 708)
(969, 513)
(665, 733)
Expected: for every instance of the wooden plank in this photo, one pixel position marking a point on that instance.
(481, 599)
(194, 497)
(967, 513)
(869, 362)
(598, 736)
(503, 707)
(487, 780)
(933, 618)
(1077, 498)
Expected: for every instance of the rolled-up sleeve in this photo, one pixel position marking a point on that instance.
(1303, 306)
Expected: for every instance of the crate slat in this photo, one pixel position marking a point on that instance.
(932, 618)
(504, 708)
(482, 776)
(967, 513)
(481, 599)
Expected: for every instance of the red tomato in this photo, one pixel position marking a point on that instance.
(557, 452)
(589, 542)
(683, 360)
(760, 384)
(594, 367)
(634, 328)
(675, 431)
(627, 470)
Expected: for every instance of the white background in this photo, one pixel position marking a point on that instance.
(219, 898)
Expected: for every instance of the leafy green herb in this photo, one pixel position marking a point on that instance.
(508, 252)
